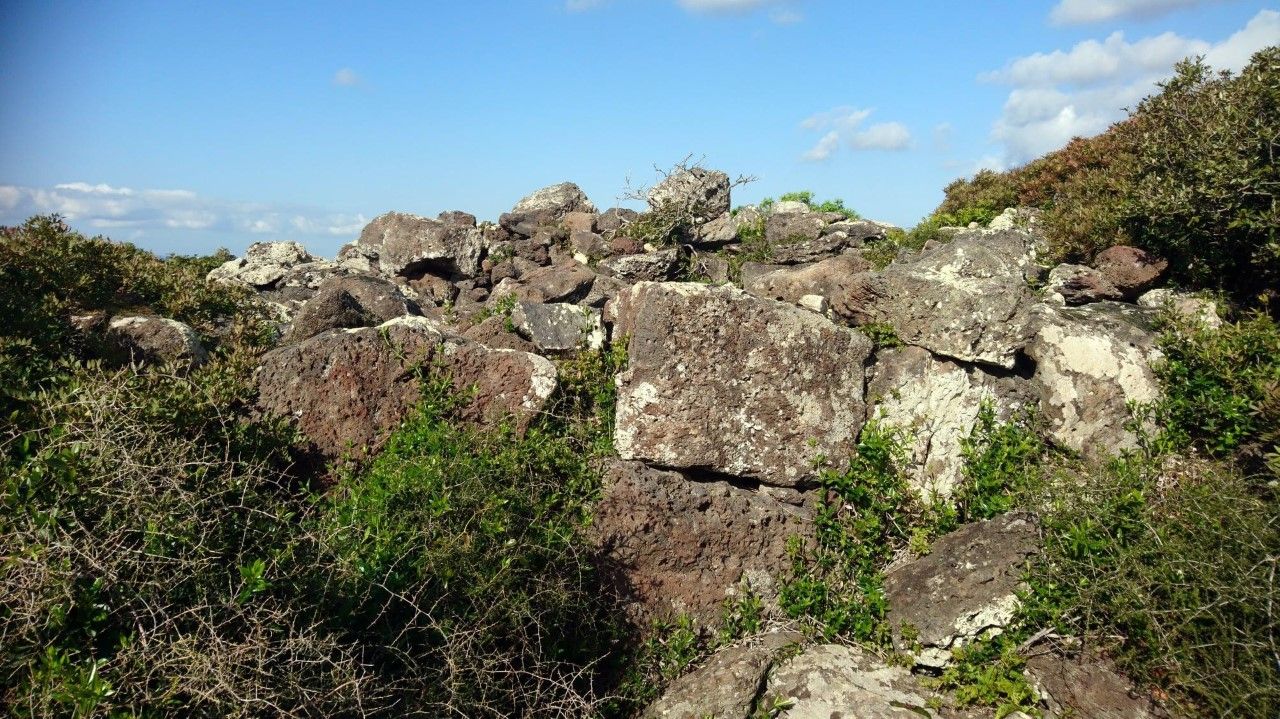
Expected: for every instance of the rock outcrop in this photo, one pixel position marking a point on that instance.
(146, 339)
(355, 301)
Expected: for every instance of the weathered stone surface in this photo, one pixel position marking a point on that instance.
(791, 227)
(653, 266)
(579, 221)
(408, 244)
(612, 219)
(1087, 686)
(728, 685)
(347, 389)
(967, 299)
(492, 332)
(712, 267)
(830, 244)
(1198, 309)
(723, 230)
(429, 289)
(457, 217)
(826, 278)
(569, 282)
(589, 244)
(1090, 362)
(844, 681)
(752, 271)
(964, 589)
(936, 401)
(356, 301)
(704, 194)
(1079, 285)
(263, 264)
(790, 207)
(155, 339)
(720, 380)
(558, 328)
(1131, 270)
(545, 207)
(674, 546)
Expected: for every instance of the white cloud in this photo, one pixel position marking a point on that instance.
(786, 16)
(104, 207)
(1059, 95)
(825, 148)
(844, 124)
(942, 133)
(883, 136)
(582, 5)
(346, 77)
(1076, 12)
(723, 5)
(843, 117)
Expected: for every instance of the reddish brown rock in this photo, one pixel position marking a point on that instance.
(826, 278)
(354, 301)
(1131, 270)
(1087, 685)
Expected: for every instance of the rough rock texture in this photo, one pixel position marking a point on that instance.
(723, 381)
(263, 264)
(545, 207)
(831, 681)
(155, 339)
(356, 301)
(347, 389)
(967, 299)
(406, 245)
(829, 244)
(1131, 270)
(792, 227)
(937, 402)
(964, 588)
(704, 193)
(673, 545)
(492, 332)
(790, 207)
(652, 266)
(1087, 686)
(1189, 306)
(728, 685)
(1090, 362)
(724, 229)
(826, 278)
(557, 283)
(558, 328)
(1079, 285)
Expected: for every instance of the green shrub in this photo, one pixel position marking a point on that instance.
(1000, 459)
(805, 196)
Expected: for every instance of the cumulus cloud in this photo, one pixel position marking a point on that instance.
(346, 77)
(104, 208)
(1079, 92)
(844, 124)
(1077, 12)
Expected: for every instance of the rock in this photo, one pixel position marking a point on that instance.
(579, 221)
(603, 290)
(964, 589)
(936, 401)
(751, 271)
(1078, 285)
(724, 229)
(813, 303)
(703, 390)
(457, 218)
(155, 339)
(493, 332)
(790, 207)
(348, 389)
(545, 207)
(726, 686)
(569, 282)
(1091, 361)
(356, 301)
(262, 266)
(1196, 309)
(844, 681)
(967, 300)
(612, 219)
(1087, 685)
(789, 284)
(652, 266)
(672, 546)
(702, 194)
(712, 268)
(429, 289)
(1016, 218)
(557, 328)
(791, 227)
(409, 245)
(589, 244)
(1131, 270)
(826, 246)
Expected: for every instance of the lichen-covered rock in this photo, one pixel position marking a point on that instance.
(262, 266)
(967, 299)
(964, 589)
(147, 339)
(844, 681)
(724, 229)
(792, 227)
(719, 380)
(558, 328)
(726, 686)
(347, 389)
(826, 278)
(544, 207)
(674, 546)
(1188, 306)
(1131, 270)
(355, 301)
(936, 401)
(570, 282)
(497, 332)
(399, 243)
(829, 244)
(652, 266)
(1086, 685)
(1079, 285)
(1092, 361)
(702, 194)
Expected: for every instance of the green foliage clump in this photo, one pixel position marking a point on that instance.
(805, 196)
(989, 673)
(1000, 459)
(881, 334)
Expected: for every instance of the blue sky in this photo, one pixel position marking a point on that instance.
(187, 126)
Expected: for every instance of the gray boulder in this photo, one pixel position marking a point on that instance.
(964, 589)
(545, 207)
(262, 266)
(792, 227)
(703, 387)
(558, 329)
(1087, 685)
(1187, 306)
(702, 194)
(826, 278)
(844, 681)
(728, 685)
(1079, 285)
(356, 301)
(790, 207)
(724, 229)
(146, 339)
(407, 245)
(568, 282)
(652, 266)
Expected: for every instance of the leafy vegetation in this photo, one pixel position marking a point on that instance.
(1001, 458)
(835, 205)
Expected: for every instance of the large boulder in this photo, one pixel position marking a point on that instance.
(545, 207)
(672, 545)
(936, 401)
(856, 234)
(963, 590)
(1091, 362)
(1087, 685)
(702, 194)
(557, 328)
(724, 229)
(833, 680)
(262, 266)
(792, 227)
(967, 299)
(1080, 285)
(1131, 270)
(652, 266)
(348, 389)
(789, 284)
(719, 380)
(146, 339)
(728, 685)
(354, 301)
(570, 282)
(1185, 305)
(399, 243)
